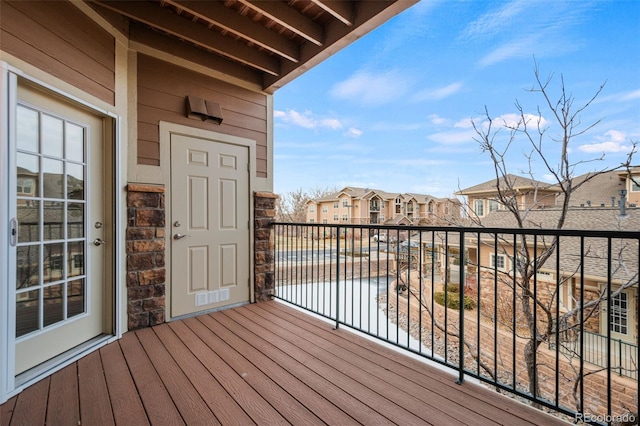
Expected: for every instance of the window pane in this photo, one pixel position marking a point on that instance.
(75, 181)
(75, 298)
(74, 142)
(75, 220)
(28, 175)
(26, 129)
(28, 221)
(27, 312)
(53, 178)
(51, 136)
(75, 259)
(27, 266)
(52, 304)
(53, 228)
(53, 262)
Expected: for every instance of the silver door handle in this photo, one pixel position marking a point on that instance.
(179, 236)
(98, 242)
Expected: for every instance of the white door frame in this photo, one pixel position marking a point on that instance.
(166, 130)
(8, 101)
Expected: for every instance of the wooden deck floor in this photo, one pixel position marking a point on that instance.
(259, 364)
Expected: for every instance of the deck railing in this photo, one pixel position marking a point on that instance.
(517, 301)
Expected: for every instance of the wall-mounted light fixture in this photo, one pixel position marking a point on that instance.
(202, 109)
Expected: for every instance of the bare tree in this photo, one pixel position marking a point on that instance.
(533, 131)
(292, 206)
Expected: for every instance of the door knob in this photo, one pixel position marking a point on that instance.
(179, 236)
(98, 242)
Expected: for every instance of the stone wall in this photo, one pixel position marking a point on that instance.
(146, 273)
(264, 244)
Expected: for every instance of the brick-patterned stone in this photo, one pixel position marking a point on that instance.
(264, 213)
(153, 217)
(156, 245)
(145, 247)
(152, 276)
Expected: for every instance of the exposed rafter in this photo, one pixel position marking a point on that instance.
(258, 41)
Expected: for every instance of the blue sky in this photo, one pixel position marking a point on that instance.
(393, 110)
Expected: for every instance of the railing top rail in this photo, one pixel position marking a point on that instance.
(591, 233)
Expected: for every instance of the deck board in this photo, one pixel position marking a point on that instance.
(266, 364)
(63, 405)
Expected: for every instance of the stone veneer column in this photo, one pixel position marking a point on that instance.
(264, 244)
(145, 255)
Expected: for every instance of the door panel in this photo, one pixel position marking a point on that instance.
(59, 274)
(210, 224)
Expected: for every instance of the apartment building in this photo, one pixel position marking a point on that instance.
(352, 205)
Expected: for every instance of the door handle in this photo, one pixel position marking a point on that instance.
(179, 236)
(98, 242)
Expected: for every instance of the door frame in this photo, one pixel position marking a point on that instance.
(166, 130)
(10, 384)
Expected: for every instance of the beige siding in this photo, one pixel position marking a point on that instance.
(59, 39)
(162, 90)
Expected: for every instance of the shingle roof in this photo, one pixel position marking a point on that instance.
(517, 182)
(598, 190)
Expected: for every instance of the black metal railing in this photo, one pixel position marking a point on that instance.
(504, 306)
(623, 354)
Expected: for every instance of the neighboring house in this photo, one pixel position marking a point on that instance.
(521, 192)
(352, 205)
(137, 161)
(597, 204)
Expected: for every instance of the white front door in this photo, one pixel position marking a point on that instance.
(57, 201)
(209, 224)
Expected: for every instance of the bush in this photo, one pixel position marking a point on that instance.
(453, 288)
(453, 300)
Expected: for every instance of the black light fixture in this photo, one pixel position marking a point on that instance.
(202, 109)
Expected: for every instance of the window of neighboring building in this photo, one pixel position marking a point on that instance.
(618, 321)
(345, 203)
(311, 220)
(634, 186)
(25, 186)
(478, 207)
(344, 217)
(382, 204)
(325, 209)
(312, 209)
(335, 217)
(335, 204)
(382, 217)
(493, 206)
(498, 261)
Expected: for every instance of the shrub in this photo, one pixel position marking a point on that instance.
(453, 300)
(453, 288)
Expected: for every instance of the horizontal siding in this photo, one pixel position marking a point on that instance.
(162, 90)
(59, 39)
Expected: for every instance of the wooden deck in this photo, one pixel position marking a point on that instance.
(259, 364)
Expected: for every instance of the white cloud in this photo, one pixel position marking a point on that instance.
(611, 141)
(522, 48)
(437, 120)
(493, 23)
(353, 132)
(515, 120)
(307, 120)
(439, 93)
(372, 89)
(452, 137)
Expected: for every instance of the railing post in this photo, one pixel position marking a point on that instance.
(339, 232)
(462, 267)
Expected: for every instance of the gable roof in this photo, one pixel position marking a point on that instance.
(519, 183)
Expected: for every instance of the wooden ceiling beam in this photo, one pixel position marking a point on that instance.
(341, 10)
(289, 18)
(170, 23)
(241, 26)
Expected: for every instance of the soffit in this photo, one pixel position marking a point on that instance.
(268, 43)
